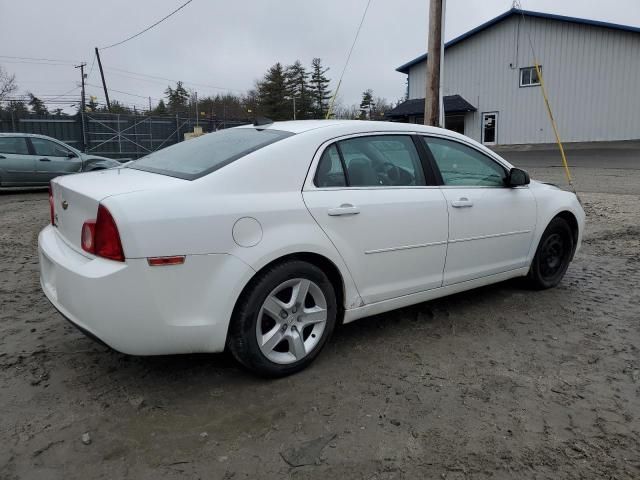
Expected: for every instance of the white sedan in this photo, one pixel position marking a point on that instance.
(261, 239)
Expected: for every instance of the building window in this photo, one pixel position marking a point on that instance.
(529, 77)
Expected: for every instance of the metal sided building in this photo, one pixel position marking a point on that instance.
(492, 92)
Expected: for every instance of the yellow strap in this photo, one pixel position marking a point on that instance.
(333, 99)
(553, 124)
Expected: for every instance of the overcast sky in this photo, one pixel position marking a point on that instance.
(231, 43)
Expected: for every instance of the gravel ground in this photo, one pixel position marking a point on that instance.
(499, 382)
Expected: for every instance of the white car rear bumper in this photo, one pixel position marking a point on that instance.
(142, 310)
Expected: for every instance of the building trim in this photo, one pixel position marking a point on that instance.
(515, 11)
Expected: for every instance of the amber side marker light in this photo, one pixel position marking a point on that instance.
(165, 261)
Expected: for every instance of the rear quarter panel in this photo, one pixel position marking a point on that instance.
(198, 217)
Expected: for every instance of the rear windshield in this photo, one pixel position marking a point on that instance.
(200, 156)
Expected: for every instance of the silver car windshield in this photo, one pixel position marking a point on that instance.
(200, 156)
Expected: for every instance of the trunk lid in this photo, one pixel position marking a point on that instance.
(76, 197)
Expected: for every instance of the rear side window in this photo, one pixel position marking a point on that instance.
(48, 148)
(330, 172)
(200, 156)
(461, 165)
(14, 145)
(374, 161)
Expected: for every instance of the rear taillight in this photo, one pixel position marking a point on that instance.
(52, 211)
(100, 236)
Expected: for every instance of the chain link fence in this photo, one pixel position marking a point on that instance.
(110, 134)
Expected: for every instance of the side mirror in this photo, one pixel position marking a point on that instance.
(517, 178)
(71, 155)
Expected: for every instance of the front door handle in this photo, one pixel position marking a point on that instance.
(45, 160)
(462, 202)
(344, 209)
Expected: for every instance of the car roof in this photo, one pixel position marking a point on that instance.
(22, 134)
(346, 126)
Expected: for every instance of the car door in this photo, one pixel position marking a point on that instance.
(370, 195)
(53, 159)
(17, 167)
(491, 226)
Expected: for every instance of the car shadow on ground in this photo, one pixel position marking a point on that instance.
(181, 370)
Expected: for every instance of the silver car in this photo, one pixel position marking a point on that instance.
(28, 160)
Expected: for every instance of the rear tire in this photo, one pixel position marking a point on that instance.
(283, 319)
(553, 255)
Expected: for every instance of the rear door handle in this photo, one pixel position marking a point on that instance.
(463, 202)
(45, 160)
(344, 209)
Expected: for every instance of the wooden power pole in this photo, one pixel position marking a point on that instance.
(104, 84)
(434, 57)
(82, 78)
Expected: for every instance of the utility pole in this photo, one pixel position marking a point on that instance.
(150, 105)
(195, 94)
(82, 107)
(434, 61)
(104, 84)
(82, 76)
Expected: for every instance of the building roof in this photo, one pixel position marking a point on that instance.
(516, 11)
(415, 106)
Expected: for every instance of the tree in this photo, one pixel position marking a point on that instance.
(37, 106)
(7, 84)
(161, 108)
(298, 90)
(17, 107)
(319, 85)
(177, 98)
(380, 106)
(117, 107)
(272, 94)
(366, 104)
(58, 112)
(92, 106)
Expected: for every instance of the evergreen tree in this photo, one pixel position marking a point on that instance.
(272, 94)
(319, 85)
(161, 108)
(37, 105)
(366, 104)
(177, 98)
(298, 90)
(117, 107)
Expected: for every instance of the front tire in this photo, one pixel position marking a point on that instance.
(553, 255)
(283, 319)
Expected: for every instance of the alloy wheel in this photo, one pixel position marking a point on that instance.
(291, 321)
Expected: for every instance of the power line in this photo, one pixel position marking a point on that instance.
(27, 62)
(113, 71)
(150, 27)
(38, 59)
(355, 39)
(124, 93)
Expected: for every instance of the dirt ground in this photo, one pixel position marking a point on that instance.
(500, 382)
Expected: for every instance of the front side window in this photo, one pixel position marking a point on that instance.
(200, 156)
(380, 161)
(48, 148)
(13, 145)
(529, 77)
(461, 165)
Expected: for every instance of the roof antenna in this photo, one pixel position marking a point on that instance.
(261, 121)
